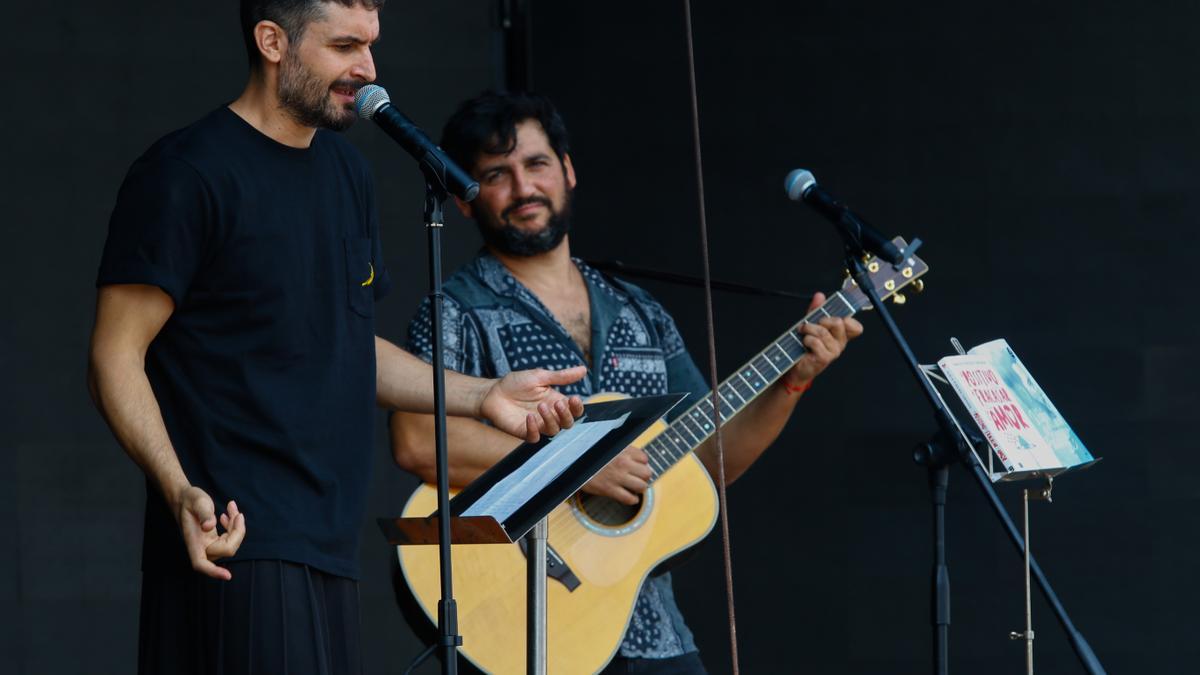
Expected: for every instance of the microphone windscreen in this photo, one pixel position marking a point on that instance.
(797, 183)
(370, 99)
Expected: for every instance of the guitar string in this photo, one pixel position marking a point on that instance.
(730, 384)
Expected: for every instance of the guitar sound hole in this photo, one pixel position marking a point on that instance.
(607, 511)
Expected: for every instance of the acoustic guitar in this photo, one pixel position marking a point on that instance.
(601, 551)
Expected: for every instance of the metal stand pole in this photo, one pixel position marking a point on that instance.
(1027, 636)
(449, 639)
(1046, 495)
(535, 611)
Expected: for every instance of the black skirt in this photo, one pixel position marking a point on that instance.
(273, 618)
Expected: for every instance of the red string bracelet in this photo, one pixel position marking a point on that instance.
(798, 390)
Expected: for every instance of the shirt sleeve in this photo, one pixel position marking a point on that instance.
(462, 347)
(682, 373)
(159, 228)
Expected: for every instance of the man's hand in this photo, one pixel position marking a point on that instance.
(824, 343)
(623, 479)
(198, 523)
(525, 404)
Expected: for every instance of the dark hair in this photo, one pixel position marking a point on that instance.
(487, 124)
(292, 15)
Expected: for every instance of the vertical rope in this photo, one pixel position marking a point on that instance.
(712, 342)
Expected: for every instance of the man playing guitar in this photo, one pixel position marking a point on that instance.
(524, 302)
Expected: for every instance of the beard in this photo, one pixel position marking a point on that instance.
(307, 99)
(508, 238)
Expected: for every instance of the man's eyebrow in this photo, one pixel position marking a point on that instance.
(355, 39)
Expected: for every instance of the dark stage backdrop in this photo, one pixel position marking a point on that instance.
(1046, 153)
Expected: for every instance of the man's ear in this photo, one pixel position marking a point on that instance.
(272, 41)
(569, 171)
(464, 207)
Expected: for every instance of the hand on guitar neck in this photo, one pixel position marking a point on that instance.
(825, 342)
(746, 436)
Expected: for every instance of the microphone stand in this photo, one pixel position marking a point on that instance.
(945, 448)
(448, 639)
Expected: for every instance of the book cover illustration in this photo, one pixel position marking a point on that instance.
(1016, 417)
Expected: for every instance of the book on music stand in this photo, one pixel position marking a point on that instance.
(1026, 436)
(1012, 420)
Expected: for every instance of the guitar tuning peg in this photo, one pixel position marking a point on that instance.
(919, 285)
(899, 299)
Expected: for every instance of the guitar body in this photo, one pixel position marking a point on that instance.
(609, 548)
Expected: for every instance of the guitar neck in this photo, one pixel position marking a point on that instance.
(698, 422)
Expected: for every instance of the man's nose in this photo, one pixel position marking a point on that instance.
(522, 185)
(364, 69)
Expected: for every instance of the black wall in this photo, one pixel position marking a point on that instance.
(1045, 152)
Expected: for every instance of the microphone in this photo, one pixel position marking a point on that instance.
(373, 103)
(802, 186)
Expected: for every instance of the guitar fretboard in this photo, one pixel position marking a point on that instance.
(698, 422)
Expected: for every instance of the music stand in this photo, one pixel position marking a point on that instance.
(513, 498)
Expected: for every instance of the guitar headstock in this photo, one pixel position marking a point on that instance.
(888, 279)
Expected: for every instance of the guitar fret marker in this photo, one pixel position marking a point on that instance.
(762, 369)
(776, 346)
(666, 435)
(734, 392)
(655, 465)
(760, 376)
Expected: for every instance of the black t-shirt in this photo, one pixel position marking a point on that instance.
(265, 372)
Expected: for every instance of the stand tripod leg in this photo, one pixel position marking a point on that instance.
(939, 481)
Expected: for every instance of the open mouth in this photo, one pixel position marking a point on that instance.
(345, 92)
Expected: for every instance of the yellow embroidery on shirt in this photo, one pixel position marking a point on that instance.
(371, 278)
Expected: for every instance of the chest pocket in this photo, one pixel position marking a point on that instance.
(360, 276)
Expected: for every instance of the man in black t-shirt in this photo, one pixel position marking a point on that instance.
(234, 357)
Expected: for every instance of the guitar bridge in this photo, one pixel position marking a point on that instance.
(556, 567)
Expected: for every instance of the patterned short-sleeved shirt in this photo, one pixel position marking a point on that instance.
(493, 324)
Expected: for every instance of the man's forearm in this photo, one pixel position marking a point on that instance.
(123, 395)
(473, 447)
(405, 382)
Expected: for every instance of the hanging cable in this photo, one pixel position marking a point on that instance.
(712, 342)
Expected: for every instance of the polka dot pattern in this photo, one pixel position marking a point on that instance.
(494, 325)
